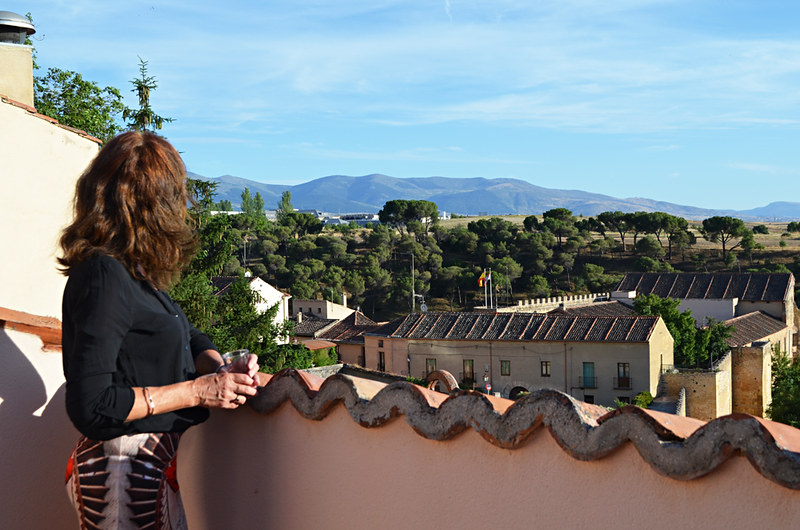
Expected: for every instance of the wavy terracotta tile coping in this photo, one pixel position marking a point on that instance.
(46, 328)
(668, 426)
(674, 446)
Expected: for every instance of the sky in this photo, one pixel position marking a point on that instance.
(688, 101)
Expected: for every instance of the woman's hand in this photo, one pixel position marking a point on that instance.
(250, 368)
(225, 390)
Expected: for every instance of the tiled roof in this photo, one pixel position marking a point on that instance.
(674, 446)
(351, 329)
(752, 327)
(221, 284)
(748, 286)
(519, 327)
(597, 309)
(311, 325)
(314, 344)
(32, 112)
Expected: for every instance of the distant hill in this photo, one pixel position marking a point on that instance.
(469, 196)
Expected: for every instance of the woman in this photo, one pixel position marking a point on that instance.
(138, 373)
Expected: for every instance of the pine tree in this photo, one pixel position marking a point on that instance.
(144, 118)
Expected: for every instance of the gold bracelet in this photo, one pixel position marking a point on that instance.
(151, 407)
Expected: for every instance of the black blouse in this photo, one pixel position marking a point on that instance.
(119, 332)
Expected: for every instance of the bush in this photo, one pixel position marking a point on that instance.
(643, 399)
(325, 357)
(646, 264)
(760, 229)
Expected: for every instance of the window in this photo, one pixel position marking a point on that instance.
(588, 379)
(469, 371)
(588, 398)
(545, 368)
(623, 375)
(319, 310)
(381, 362)
(430, 366)
(624, 399)
(505, 367)
(380, 343)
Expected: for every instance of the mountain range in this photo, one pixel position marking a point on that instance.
(468, 196)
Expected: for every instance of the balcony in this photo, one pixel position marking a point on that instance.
(623, 383)
(587, 382)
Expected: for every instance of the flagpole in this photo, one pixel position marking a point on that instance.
(485, 296)
(491, 294)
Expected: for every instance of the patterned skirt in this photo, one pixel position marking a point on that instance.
(127, 482)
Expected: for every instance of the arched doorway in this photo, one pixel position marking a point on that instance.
(516, 391)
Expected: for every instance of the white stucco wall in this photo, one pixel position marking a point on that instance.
(719, 309)
(244, 470)
(41, 163)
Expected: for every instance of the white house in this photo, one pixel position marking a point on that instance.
(269, 296)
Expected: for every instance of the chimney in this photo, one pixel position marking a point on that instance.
(16, 58)
(344, 299)
(299, 317)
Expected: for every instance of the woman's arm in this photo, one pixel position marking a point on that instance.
(223, 390)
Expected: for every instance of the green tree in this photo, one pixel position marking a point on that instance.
(399, 212)
(561, 223)
(693, 347)
(785, 405)
(252, 205)
(224, 205)
(538, 287)
(677, 231)
(394, 214)
(680, 325)
(617, 222)
(597, 280)
(531, 223)
(144, 118)
(724, 229)
(285, 205)
(648, 246)
(79, 103)
(643, 399)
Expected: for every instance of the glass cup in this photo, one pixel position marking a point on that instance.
(236, 360)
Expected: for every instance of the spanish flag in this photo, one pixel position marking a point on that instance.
(482, 279)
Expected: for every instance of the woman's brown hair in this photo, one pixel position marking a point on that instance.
(130, 204)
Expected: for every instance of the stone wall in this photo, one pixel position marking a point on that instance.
(752, 376)
(543, 305)
(708, 392)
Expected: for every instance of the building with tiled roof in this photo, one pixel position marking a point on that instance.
(321, 308)
(309, 326)
(348, 334)
(720, 295)
(613, 308)
(758, 327)
(597, 359)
